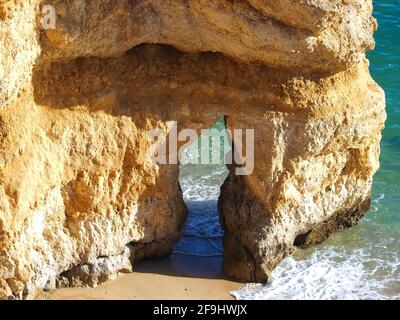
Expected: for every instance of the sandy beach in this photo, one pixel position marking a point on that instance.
(177, 277)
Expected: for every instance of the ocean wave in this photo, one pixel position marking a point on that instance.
(202, 183)
(203, 233)
(329, 273)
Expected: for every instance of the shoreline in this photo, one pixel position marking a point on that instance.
(178, 277)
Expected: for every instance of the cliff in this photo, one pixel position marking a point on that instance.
(80, 199)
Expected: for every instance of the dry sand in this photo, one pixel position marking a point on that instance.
(177, 277)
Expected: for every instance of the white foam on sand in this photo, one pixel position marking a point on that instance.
(330, 273)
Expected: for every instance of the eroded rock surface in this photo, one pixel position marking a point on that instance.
(80, 198)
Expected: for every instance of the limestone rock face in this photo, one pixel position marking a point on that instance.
(80, 197)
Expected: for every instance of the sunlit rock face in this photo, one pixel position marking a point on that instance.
(80, 198)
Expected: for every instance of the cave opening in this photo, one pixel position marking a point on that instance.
(202, 172)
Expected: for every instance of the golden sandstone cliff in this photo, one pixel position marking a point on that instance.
(80, 199)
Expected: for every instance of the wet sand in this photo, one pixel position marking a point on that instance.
(177, 277)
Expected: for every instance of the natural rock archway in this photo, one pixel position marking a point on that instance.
(80, 200)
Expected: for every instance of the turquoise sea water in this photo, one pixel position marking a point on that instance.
(360, 263)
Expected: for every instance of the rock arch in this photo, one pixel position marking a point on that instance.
(79, 198)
